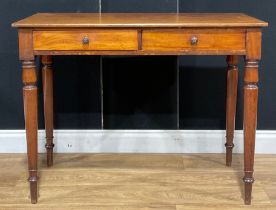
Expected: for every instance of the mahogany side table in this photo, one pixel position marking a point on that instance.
(229, 34)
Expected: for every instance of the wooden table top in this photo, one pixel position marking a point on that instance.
(96, 20)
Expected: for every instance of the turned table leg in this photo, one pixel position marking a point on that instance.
(47, 78)
(231, 101)
(251, 78)
(30, 112)
(250, 123)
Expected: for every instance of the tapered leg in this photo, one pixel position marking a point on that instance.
(30, 112)
(47, 78)
(231, 101)
(250, 122)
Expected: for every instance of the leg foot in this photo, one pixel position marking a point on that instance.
(248, 182)
(49, 148)
(229, 149)
(33, 188)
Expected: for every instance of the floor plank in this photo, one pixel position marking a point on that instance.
(137, 181)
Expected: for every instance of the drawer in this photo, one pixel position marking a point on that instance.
(86, 40)
(194, 40)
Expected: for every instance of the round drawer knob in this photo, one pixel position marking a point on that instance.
(194, 40)
(85, 40)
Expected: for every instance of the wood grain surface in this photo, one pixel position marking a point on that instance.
(169, 40)
(140, 20)
(137, 181)
(98, 40)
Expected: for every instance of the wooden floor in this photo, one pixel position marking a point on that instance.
(137, 181)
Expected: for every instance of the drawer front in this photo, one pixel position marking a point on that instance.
(194, 40)
(86, 40)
